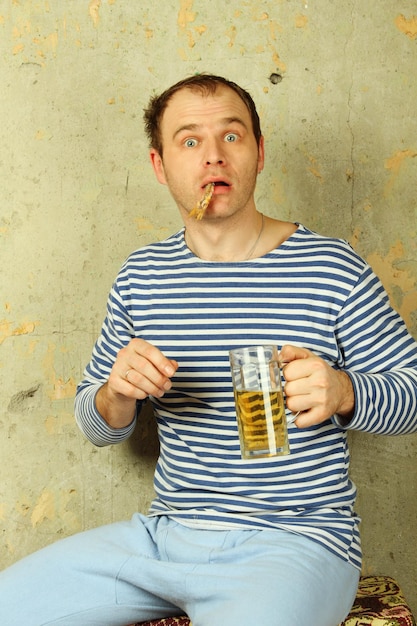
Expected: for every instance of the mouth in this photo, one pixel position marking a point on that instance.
(217, 183)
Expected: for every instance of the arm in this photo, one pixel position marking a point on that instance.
(107, 402)
(373, 386)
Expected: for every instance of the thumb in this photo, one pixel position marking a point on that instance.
(291, 353)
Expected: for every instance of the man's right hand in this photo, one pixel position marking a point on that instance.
(140, 370)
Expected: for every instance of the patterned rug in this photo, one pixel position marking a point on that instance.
(379, 602)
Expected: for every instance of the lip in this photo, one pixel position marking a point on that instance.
(219, 179)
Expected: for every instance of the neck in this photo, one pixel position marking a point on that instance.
(237, 243)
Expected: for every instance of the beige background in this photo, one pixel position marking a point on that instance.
(77, 195)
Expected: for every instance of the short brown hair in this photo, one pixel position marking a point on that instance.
(206, 84)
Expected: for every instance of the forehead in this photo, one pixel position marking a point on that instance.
(189, 106)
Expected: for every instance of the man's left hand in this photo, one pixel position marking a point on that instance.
(314, 388)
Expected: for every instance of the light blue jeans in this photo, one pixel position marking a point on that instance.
(153, 567)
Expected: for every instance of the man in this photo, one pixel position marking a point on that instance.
(227, 541)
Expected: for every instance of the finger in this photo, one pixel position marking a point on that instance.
(311, 370)
(299, 402)
(309, 418)
(143, 374)
(300, 370)
(148, 381)
(289, 353)
(303, 419)
(142, 366)
(151, 353)
(292, 418)
(120, 383)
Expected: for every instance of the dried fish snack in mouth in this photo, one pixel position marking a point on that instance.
(199, 210)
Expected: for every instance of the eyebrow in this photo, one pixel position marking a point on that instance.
(226, 121)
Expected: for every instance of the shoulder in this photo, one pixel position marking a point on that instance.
(311, 256)
(311, 243)
(151, 262)
(157, 254)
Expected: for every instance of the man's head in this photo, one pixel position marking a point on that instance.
(206, 84)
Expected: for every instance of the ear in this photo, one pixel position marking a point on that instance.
(261, 154)
(158, 166)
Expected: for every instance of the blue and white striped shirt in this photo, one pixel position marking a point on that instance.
(311, 291)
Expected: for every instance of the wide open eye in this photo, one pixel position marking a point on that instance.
(190, 142)
(231, 137)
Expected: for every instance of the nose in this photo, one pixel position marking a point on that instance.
(214, 154)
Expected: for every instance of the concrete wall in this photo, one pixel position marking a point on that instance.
(336, 87)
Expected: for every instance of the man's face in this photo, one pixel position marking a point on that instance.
(209, 139)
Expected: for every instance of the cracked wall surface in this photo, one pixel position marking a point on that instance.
(336, 92)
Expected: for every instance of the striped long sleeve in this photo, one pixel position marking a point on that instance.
(312, 291)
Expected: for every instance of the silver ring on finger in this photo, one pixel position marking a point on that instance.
(127, 375)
